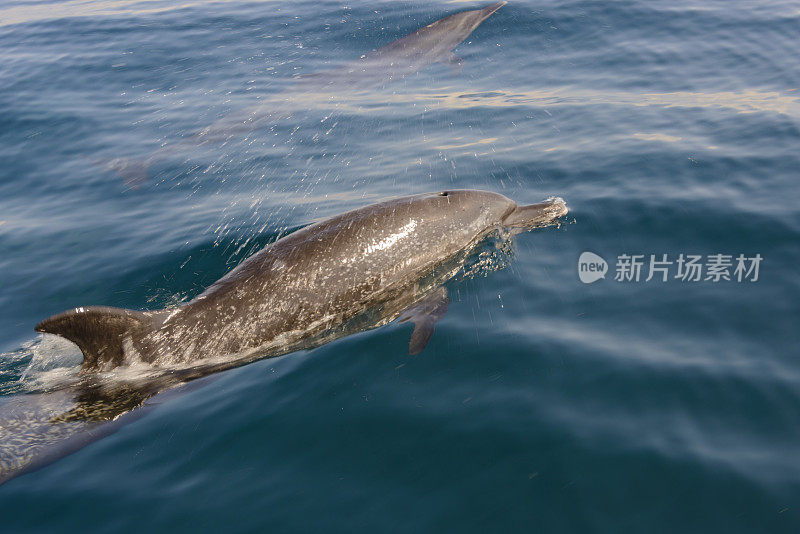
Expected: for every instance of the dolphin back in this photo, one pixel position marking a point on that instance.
(100, 332)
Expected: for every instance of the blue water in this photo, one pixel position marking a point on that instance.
(541, 403)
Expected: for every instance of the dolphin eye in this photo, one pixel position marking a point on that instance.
(443, 194)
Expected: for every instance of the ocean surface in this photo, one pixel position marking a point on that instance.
(542, 403)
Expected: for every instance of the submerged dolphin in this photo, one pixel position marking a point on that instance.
(426, 46)
(431, 44)
(306, 283)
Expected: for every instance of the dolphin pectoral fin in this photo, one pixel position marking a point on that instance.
(99, 332)
(425, 314)
(423, 330)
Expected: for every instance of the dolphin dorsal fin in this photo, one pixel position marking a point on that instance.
(99, 331)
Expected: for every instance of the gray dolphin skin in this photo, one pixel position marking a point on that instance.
(304, 284)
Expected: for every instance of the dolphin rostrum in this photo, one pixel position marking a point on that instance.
(307, 283)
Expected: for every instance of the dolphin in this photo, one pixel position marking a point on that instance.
(306, 283)
(352, 272)
(431, 44)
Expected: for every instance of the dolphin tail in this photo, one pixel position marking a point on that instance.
(99, 331)
(425, 314)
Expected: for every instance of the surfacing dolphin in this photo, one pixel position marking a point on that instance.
(303, 284)
(350, 273)
(431, 44)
